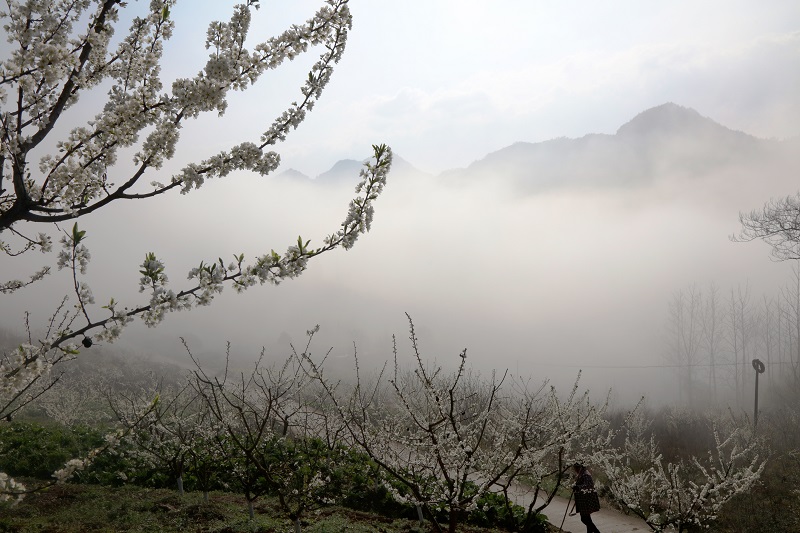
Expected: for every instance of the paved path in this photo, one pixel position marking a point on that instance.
(607, 520)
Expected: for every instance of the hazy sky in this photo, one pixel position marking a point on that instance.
(541, 284)
(447, 81)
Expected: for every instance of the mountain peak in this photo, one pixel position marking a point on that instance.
(667, 118)
(343, 171)
(294, 175)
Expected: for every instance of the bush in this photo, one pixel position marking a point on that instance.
(29, 449)
(496, 511)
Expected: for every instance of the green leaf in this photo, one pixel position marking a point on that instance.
(77, 235)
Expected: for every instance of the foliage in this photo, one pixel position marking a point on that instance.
(79, 508)
(35, 450)
(496, 510)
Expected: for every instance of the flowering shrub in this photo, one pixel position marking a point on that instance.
(686, 493)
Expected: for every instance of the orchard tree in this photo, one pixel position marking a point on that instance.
(436, 434)
(166, 438)
(684, 494)
(565, 431)
(272, 434)
(245, 411)
(449, 440)
(52, 176)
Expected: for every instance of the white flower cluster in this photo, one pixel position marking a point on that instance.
(20, 368)
(113, 326)
(7, 287)
(210, 280)
(43, 59)
(232, 66)
(361, 210)
(42, 241)
(10, 489)
(73, 254)
(78, 174)
(162, 300)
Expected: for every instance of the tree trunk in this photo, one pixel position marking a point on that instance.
(250, 510)
(180, 484)
(454, 516)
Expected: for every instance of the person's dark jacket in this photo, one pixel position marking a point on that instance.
(586, 499)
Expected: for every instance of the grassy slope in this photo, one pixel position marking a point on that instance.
(79, 508)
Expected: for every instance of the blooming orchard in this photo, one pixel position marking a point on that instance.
(61, 50)
(448, 440)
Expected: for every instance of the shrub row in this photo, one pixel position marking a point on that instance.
(36, 450)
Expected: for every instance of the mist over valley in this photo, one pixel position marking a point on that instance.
(542, 258)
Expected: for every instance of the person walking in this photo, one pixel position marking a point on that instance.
(586, 499)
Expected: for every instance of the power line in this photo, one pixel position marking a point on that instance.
(676, 365)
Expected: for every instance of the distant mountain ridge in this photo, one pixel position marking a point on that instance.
(665, 140)
(347, 171)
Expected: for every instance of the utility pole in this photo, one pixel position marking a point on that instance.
(759, 368)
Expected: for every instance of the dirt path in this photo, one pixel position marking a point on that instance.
(607, 520)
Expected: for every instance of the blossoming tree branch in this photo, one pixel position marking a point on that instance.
(61, 50)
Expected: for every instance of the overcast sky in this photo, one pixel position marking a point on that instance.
(558, 281)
